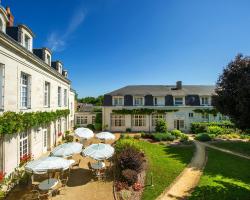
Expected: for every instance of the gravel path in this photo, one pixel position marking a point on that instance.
(226, 151)
(189, 178)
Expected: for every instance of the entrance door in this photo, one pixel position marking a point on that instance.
(179, 124)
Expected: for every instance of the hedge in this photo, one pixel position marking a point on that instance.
(200, 127)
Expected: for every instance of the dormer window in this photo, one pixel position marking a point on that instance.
(204, 101)
(178, 101)
(159, 101)
(48, 59)
(1, 25)
(138, 101)
(27, 42)
(118, 101)
(60, 68)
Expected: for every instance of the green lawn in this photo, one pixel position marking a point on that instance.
(240, 147)
(226, 177)
(165, 163)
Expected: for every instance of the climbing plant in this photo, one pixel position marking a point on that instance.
(143, 111)
(213, 112)
(12, 122)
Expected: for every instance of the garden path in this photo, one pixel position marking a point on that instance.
(189, 178)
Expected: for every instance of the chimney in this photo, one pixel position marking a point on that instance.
(179, 85)
(10, 16)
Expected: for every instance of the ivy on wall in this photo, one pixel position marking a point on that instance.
(12, 122)
(213, 112)
(142, 111)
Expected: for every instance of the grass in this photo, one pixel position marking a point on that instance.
(165, 163)
(226, 177)
(238, 146)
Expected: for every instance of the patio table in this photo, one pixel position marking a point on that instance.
(48, 184)
(98, 165)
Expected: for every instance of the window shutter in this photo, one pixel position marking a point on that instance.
(149, 100)
(107, 100)
(169, 100)
(128, 100)
(29, 92)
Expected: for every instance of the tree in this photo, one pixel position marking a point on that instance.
(161, 126)
(232, 96)
(96, 101)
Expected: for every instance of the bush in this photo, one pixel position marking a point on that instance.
(163, 137)
(130, 158)
(129, 176)
(198, 127)
(161, 126)
(98, 126)
(176, 133)
(147, 135)
(67, 132)
(122, 144)
(128, 130)
(91, 127)
(69, 138)
(183, 138)
(121, 185)
(203, 137)
(216, 130)
(201, 127)
(137, 137)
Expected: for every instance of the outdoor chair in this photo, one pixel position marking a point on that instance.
(62, 189)
(76, 164)
(46, 196)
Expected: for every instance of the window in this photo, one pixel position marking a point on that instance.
(25, 90)
(138, 101)
(82, 120)
(1, 86)
(27, 42)
(117, 101)
(159, 101)
(191, 115)
(139, 120)
(65, 97)
(45, 138)
(85, 120)
(178, 101)
(179, 124)
(47, 94)
(117, 120)
(93, 119)
(205, 116)
(59, 126)
(78, 120)
(155, 117)
(23, 145)
(204, 101)
(48, 59)
(1, 25)
(59, 90)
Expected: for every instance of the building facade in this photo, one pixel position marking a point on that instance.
(137, 108)
(30, 81)
(86, 114)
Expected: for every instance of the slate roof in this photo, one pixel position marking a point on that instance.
(162, 90)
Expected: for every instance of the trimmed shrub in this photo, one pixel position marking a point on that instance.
(161, 126)
(69, 138)
(122, 144)
(215, 130)
(198, 127)
(91, 127)
(183, 138)
(129, 176)
(203, 137)
(98, 126)
(201, 127)
(130, 158)
(137, 137)
(147, 135)
(128, 130)
(163, 137)
(176, 133)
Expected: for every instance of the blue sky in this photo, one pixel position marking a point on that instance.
(107, 44)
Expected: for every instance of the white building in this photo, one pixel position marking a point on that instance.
(30, 82)
(137, 107)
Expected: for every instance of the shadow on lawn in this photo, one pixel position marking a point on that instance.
(224, 191)
(180, 153)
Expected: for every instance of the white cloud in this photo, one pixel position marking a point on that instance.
(57, 41)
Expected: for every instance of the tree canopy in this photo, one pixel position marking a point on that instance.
(233, 92)
(96, 101)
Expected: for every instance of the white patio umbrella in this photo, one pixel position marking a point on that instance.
(84, 133)
(67, 149)
(43, 165)
(105, 136)
(99, 151)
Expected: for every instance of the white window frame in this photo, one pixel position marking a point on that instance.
(85, 119)
(93, 119)
(46, 94)
(178, 104)
(118, 100)
(139, 120)
(48, 59)
(191, 115)
(27, 41)
(65, 97)
(25, 87)
(117, 120)
(181, 124)
(156, 101)
(138, 100)
(155, 117)
(23, 144)
(59, 96)
(78, 119)
(205, 101)
(2, 85)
